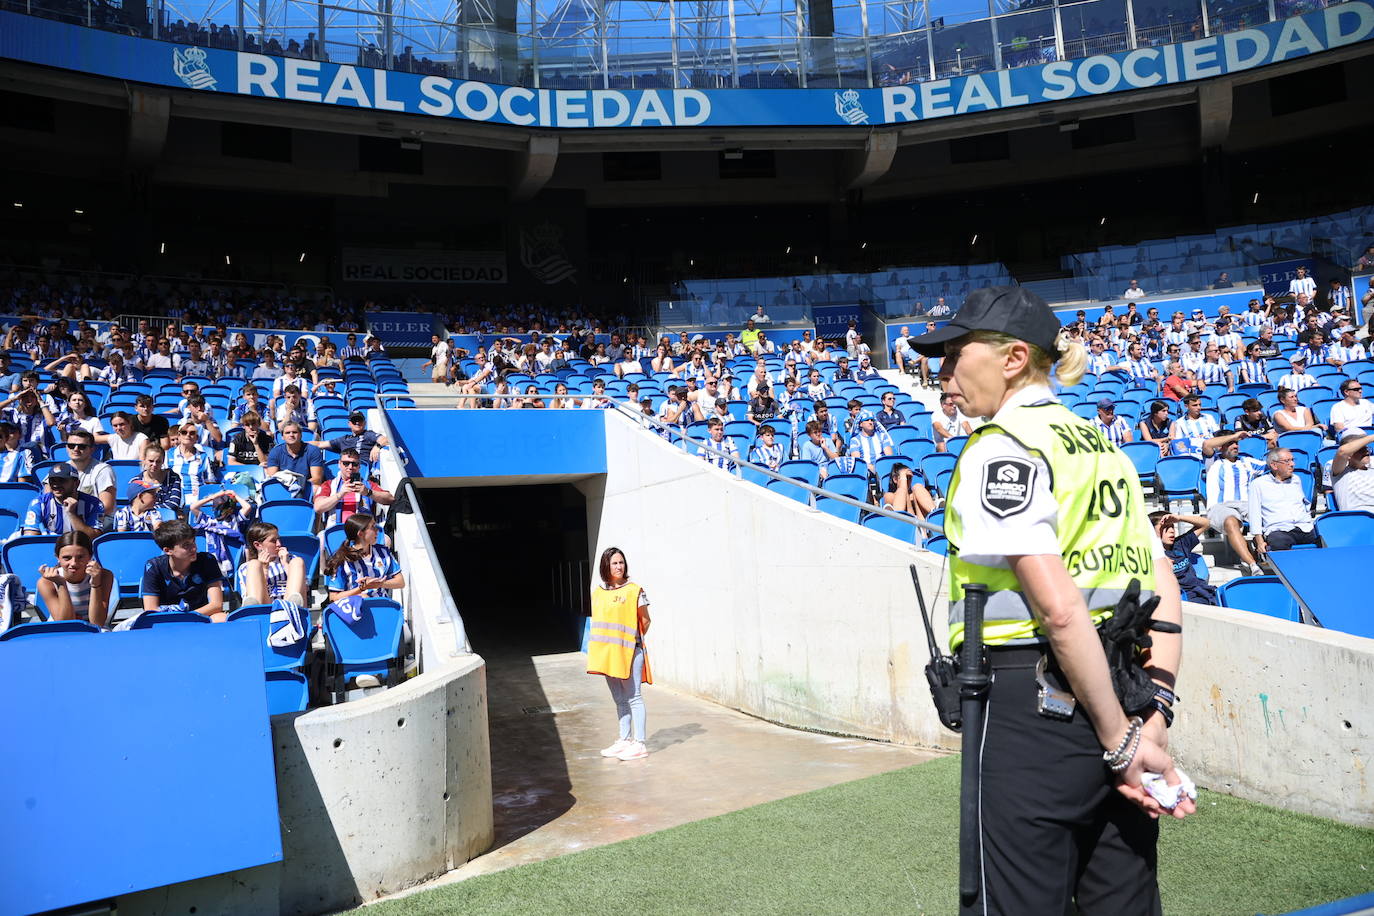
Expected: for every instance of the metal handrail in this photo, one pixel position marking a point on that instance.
(461, 644)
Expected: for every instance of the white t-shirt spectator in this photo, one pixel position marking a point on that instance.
(1133, 292)
(1355, 489)
(1346, 414)
(131, 450)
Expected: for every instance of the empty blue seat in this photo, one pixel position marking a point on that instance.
(49, 628)
(274, 658)
(937, 544)
(855, 486)
(307, 547)
(1145, 457)
(287, 692)
(295, 516)
(893, 528)
(1261, 594)
(23, 555)
(149, 619)
(1346, 529)
(790, 490)
(1179, 477)
(125, 553)
(807, 471)
(15, 497)
(849, 513)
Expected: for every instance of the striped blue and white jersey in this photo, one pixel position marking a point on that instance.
(1347, 354)
(1297, 381)
(379, 564)
(194, 469)
(1212, 373)
(275, 574)
(869, 449)
(1116, 432)
(15, 466)
(770, 456)
(1252, 371)
(1189, 433)
(1229, 481)
(726, 445)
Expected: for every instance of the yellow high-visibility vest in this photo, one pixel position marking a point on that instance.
(615, 626)
(1103, 527)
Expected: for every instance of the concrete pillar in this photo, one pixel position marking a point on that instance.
(864, 168)
(1214, 109)
(149, 114)
(534, 167)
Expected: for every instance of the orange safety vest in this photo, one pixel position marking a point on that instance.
(615, 624)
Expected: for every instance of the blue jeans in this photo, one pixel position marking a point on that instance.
(629, 697)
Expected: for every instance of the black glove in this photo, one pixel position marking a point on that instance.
(1124, 636)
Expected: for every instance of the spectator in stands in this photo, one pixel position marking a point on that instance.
(28, 411)
(949, 423)
(125, 443)
(290, 376)
(902, 354)
(889, 416)
(251, 444)
(1227, 490)
(370, 443)
(303, 461)
(1311, 325)
(905, 495)
(762, 406)
(1352, 477)
(1179, 549)
(268, 368)
(1116, 429)
(866, 372)
(1155, 426)
(221, 526)
(293, 409)
(1279, 515)
(62, 507)
(1315, 351)
(438, 358)
(1252, 370)
(350, 492)
(1136, 366)
(1190, 431)
(1293, 416)
(816, 389)
(663, 359)
(270, 572)
(718, 441)
(1302, 285)
(352, 351)
(183, 575)
(192, 463)
(1212, 371)
(140, 513)
(152, 425)
(1255, 421)
(598, 399)
(1133, 291)
(96, 478)
(869, 443)
(1353, 410)
(818, 447)
(77, 587)
(766, 451)
(361, 566)
(1347, 349)
(1297, 378)
(158, 477)
(16, 464)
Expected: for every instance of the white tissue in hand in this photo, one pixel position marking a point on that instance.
(1169, 796)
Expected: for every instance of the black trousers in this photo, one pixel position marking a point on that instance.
(1285, 538)
(1057, 838)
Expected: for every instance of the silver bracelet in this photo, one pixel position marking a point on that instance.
(1120, 758)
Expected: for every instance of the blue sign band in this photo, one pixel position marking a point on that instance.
(53, 44)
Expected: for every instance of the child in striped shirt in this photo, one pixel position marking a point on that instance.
(139, 514)
(361, 566)
(270, 571)
(221, 529)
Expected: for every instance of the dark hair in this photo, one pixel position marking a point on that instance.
(1157, 406)
(256, 532)
(144, 400)
(1156, 516)
(713, 422)
(347, 552)
(767, 430)
(604, 567)
(173, 532)
(73, 538)
(892, 476)
(1188, 399)
(123, 415)
(854, 402)
(1251, 404)
(80, 433)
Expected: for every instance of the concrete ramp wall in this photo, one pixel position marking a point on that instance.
(792, 615)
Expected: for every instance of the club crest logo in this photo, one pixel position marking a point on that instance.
(849, 108)
(543, 254)
(190, 67)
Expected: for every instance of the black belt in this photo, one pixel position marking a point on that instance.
(1019, 656)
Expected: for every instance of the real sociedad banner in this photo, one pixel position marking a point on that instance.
(387, 265)
(54, 44)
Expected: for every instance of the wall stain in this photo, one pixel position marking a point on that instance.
(1264, 704)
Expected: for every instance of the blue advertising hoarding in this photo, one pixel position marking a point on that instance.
(53, 44)
(832, 321)
(403, 329)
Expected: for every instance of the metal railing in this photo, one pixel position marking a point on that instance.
(670, 48)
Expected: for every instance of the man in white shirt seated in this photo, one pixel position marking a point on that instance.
(1228, 496)
(1298, 378)
(1352, 477)
(1279, 514)
(902, 354)
(1353, 410)
(1133, 291)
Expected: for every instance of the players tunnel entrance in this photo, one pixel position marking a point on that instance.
(515, 558)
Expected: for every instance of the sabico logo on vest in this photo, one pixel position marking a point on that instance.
(1007, 486)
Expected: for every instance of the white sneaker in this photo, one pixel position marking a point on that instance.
(634, 750)
(615, 749)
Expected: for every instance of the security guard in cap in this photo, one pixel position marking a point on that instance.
(1049, 516)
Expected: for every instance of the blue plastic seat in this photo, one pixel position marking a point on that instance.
(838, 509)
(287, 692)
(1261, 594)
(294, 516)
(1145, 457)
(307, 547)
(855, 486)
(1308, 440)
(274, 658)
(937, 544)
(934, 463)
(370, 646)
(49, 628)
(149, 619)
(955, 445)
(15, 497)
(275, 491)
(907, 534)
(1353, 528)
(125, 553)
(1179, 477)
(790, 490)
(23, 555)
(798, 469)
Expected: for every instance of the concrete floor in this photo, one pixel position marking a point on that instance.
(554, 793)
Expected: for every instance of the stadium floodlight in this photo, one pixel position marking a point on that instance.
(974, 240)
(1103, 222)
(19, 204)
(79, 212)
(302, 258)
(789, 250)
(226, 259)
(863, 244)
(162, 248)
(1256, 200)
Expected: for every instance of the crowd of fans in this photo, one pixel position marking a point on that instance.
(203, 443)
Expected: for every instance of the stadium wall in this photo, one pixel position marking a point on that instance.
(796, 617)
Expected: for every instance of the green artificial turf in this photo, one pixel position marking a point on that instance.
(888, 844)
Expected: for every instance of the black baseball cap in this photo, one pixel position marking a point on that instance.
(1012, 310)
(63, 471)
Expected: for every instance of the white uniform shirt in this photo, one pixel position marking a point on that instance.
(988, 540)
(1305, 285)
(1355, 489)
(1346, 414)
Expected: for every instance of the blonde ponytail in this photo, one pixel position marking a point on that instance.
(1073, 359)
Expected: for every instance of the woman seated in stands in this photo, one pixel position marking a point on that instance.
(361, 566)
(156, 476)
(78, 587)
(1154, 427)
(1294, 417)
(561, 398)
(77, 413)
(599, 357)
(532, 398)
(270, 572)
(663, 360)
(327, 358)
(905, 495)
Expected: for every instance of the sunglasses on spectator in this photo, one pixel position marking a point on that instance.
(348, 464)
(71, 445)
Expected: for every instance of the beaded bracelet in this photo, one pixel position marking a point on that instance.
(1120, 758)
